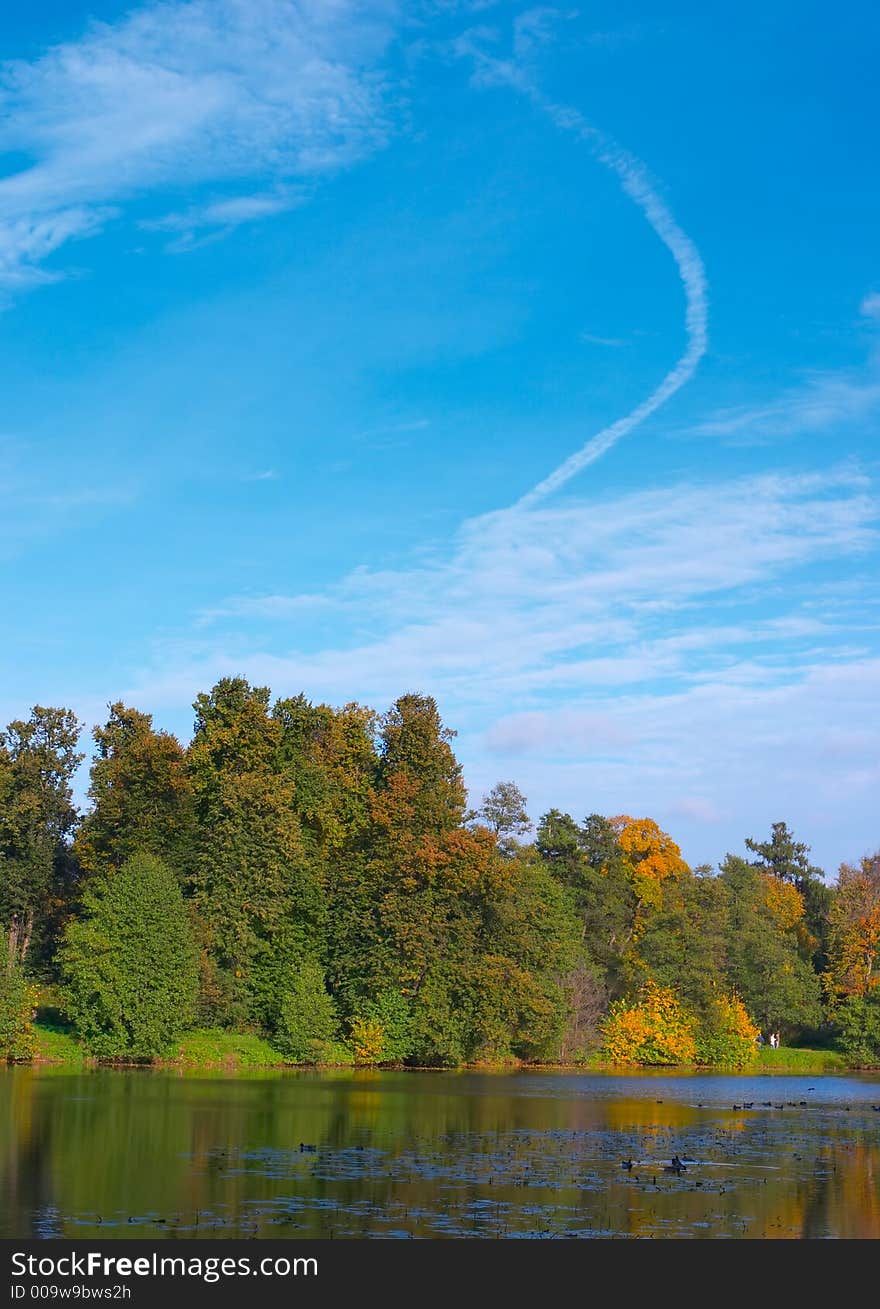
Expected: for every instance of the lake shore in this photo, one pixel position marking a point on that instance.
(243, 1053)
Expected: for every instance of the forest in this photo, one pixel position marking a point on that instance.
(314, 876)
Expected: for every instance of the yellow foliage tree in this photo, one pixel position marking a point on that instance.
(367, 1040)
(652, 857)
(654, 1029)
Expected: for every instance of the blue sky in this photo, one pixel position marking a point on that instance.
(529, 357)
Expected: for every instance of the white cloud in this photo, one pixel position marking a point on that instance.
(585, 595)
(824, 402)
(219, 217)
(178, 94)
(870, 306)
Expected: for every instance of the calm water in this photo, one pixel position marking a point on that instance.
(436, 1155)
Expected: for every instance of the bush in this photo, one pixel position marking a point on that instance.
(655, 1029)
(129, 964)
(858, 1024)
(18, 1004)
(308, 1021)
(727, 1037)
(367, 1040)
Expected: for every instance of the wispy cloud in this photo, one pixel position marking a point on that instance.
(870, 306)
(202, 223)
(265, 475)
(824, 402)
(590, 338)
(586, 594)
(182, 93)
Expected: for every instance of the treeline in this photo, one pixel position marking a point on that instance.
(314, 875)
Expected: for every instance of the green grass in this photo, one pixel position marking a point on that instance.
(789, 1059)
(212, 1048)
(57, 1045)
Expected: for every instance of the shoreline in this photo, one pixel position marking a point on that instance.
(241, 1054)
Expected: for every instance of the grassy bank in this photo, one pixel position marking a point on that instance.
(214, 1049)
(788, 1059)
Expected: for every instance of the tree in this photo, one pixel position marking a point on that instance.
(330, 757)
(683, 943)
(414, 748)
(38, 758)
(788, 860)
(782, 855)
(308, 1019)
(129, 964)
(18, 1003)
(140, 792)
(255, 890)
(589, 861)
(855, 930)
(651, 853)
(504, 812)
(655, 1028)
(763, 965)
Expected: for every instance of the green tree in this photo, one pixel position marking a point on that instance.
(18, 1002)
(684, 943)
(415, 755)
(140, 793)
(588, 859)
(129, 963)
(788, 859)
(504, 812)
(255, 891)
(38, 757)
(307, 1019)
(782, 855)
(330, 757)
(763, 964)
(857, 1022)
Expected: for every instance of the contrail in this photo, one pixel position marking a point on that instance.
(633, 177)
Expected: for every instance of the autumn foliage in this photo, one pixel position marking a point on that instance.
(658, 1028)
(655, 1029)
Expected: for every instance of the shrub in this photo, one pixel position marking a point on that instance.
(308, 1020)
(18, 1003)
(367, 1040)
(654, 1029)
(129, 964)
(726, 1037)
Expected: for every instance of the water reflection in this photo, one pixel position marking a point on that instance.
(437, 1154)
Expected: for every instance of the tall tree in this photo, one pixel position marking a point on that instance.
(129, 962)
(855, 930)
(38, 758)
(763, 963)
(415, 756)
(683, 944)
(140, 792)
(330, 757)
(588, 859)
(504, 812)
(788, 860)
(254, 889)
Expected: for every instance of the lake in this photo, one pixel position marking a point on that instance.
(446, 1154)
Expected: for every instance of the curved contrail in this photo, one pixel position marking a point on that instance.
(633, 177)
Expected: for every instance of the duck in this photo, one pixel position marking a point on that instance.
(627, 1164)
